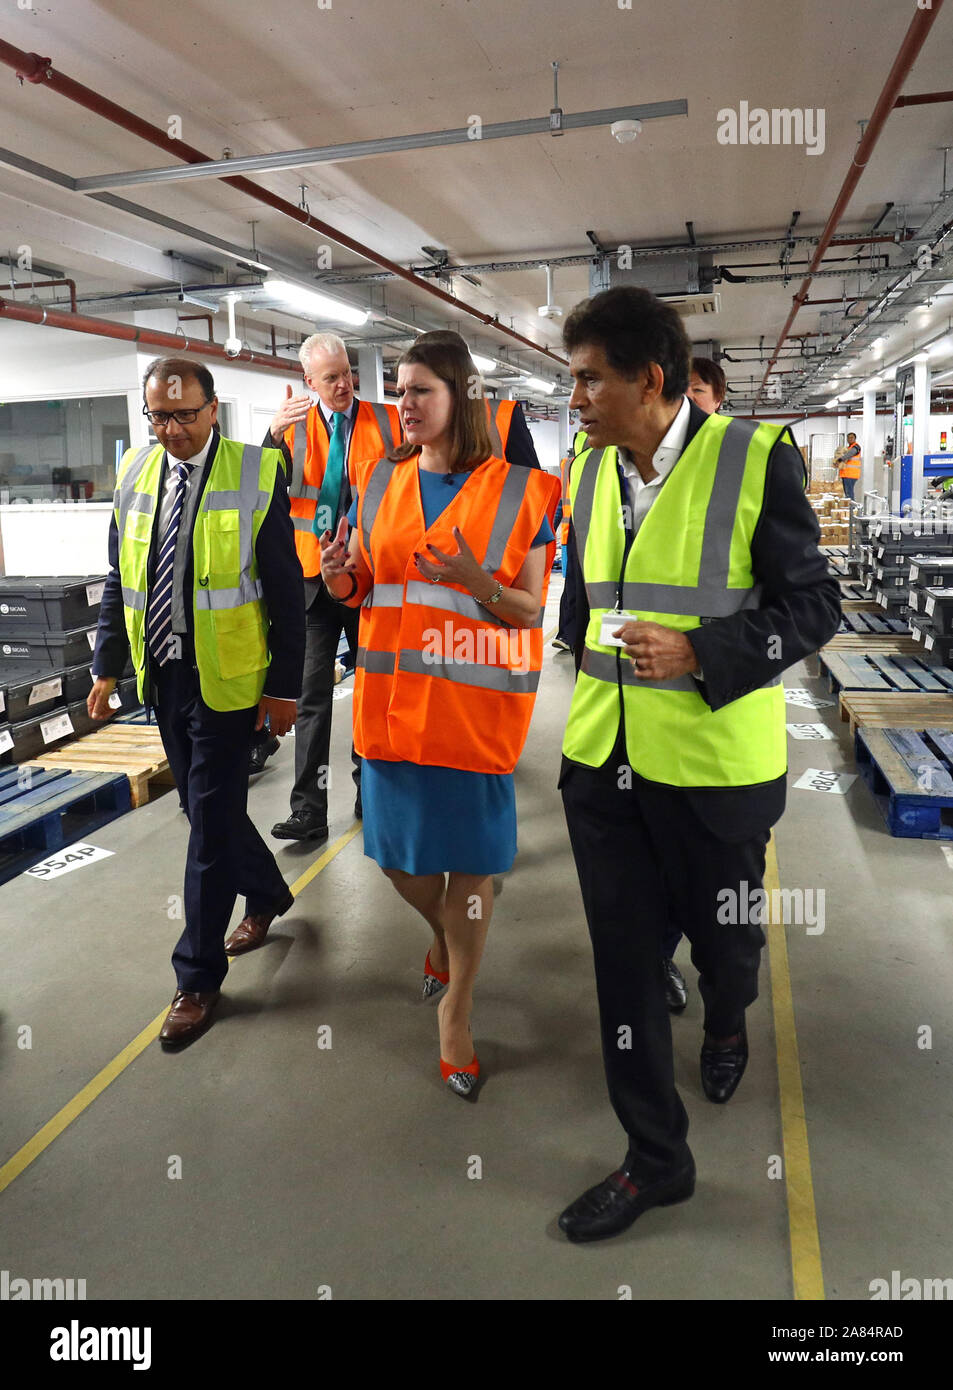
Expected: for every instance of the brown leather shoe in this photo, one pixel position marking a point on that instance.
(252, 930)
(189, 1016)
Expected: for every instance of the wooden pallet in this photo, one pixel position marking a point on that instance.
(851, 591)
(893, 709)
(884, 670)
(908, 772)
(872, 642)
(41, 810)
(133, 749)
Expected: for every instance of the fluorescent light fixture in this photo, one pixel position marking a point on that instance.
(829, 405)
(318, 306)
(939, 349)
(536, 383)
(483, 364)
(879, 344)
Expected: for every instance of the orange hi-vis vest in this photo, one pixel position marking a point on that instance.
(499, 418)
(850, 468)
(567, 504)
(376, 431)
(440, 680)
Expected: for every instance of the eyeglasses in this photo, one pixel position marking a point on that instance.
(181, 417)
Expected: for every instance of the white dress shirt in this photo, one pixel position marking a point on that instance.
(349, 417)
(172, 482)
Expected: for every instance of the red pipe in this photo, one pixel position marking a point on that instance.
(924, 99)
(108, 328)
(48, 284)
(36, 69)
(914, 39)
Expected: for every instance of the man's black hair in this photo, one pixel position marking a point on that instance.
(165, 368)
(633, 327)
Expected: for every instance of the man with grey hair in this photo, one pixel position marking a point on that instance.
(325, 446)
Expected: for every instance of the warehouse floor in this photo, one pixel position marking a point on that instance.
(351, 1168)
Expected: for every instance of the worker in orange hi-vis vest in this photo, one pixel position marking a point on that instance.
(848, 461)
(449, 563)
(325, 444)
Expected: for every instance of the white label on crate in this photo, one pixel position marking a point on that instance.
(46, 690)
(797, 695)
(3, 700)
(913, 601)
(69, 859)
(916, 633)
(94, 592)
(810, 731)
(115, 700)
(882, 600)
(6, 740)
(822, 779)
(914, 571)
(91, 638)
(929, 606)
(57, 726)
(928, 643)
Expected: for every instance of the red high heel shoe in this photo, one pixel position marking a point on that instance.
(434, 980)
(461, 1080)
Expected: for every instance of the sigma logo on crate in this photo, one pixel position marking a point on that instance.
(15, 649)
(13, 610)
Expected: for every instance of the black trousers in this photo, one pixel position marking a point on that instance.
(326, 620)
(645, 860)
(208, 754)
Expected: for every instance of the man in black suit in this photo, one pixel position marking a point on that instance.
(206, 590)
(666, 807)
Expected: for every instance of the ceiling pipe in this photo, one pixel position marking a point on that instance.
(39, 70)
(46, 285)
(190, 318)
(914, 39)
(109, 328)
(924, 99)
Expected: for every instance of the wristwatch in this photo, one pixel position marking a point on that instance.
(494, 598)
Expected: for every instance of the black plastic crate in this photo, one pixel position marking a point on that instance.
(6, 745)
(936, 605)
(931, 569)
(30, 647)
(58, 603)
(35, 692)
(33, 737)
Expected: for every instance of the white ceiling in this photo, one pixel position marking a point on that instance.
(262, 78)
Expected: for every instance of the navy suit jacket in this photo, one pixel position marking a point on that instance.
(800, 604)
(281, 582)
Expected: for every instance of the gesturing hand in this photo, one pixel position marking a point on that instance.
(334, 556)
(461, 568)
(292, 410)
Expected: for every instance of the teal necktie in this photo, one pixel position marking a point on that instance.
(326, 512)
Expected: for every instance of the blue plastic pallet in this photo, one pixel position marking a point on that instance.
(909, 773)
(883, 670)
(43, 809)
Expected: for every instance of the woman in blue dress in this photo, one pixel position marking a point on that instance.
(437, 828)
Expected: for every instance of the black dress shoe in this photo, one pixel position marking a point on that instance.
(300, 825)
(260, 753)
(676, 990)
(723, 1067)
(612, 1205)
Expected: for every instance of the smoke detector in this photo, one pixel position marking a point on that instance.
(626, 131)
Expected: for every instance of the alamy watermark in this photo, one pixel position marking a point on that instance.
(754, 125)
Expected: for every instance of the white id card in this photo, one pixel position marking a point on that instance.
(610, 622)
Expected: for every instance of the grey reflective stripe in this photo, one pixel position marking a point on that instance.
(469, 673)
(582, 506)
(603, 594)
(377, 663)
(303, 523)
(511, 499)
(215, 599)
(374, 489)
(128, 499)
(132, 599)
(383, 424)
(496, 443)
(684, 600)
(298, 487)
(248, 499)
(450, 600)
(385, 596)
(723, 504)
(605, 666)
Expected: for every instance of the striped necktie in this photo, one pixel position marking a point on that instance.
(161, 642)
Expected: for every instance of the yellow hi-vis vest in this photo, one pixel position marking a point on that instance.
(231, 621)
(690, 561)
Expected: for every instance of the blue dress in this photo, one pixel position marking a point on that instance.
(433, 820)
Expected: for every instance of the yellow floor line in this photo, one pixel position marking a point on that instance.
(802, 1216)
(32, 1149)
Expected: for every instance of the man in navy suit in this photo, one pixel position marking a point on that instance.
(205, 588)
(704, 525)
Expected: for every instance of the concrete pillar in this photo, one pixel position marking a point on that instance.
(868, 444)
(370, 368)
(564, 434)
(921, 419)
